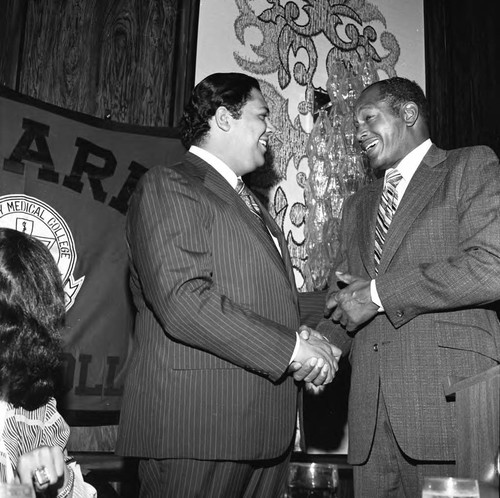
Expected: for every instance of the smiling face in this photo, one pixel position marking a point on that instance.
(249, 135)
(384, 136)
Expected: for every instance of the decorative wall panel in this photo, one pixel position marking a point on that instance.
(290, 46)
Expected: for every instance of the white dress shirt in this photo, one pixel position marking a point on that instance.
(406, 168)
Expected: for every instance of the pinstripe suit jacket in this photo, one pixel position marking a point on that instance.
(217, 311)
(440, 270)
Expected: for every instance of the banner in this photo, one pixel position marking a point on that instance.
(66, 178)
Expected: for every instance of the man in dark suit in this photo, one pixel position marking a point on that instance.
(417, 285)
(210, 402)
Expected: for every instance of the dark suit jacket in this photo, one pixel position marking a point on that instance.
(440, 269)
(217, 311)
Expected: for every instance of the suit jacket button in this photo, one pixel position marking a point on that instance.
(400, 314)
(375, 347)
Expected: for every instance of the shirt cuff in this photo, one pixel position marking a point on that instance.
(374, 295)
(296, 348)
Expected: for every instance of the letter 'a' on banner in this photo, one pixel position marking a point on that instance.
(66, 178)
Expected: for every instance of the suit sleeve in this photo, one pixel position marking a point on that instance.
(312, 307)
(170, 239)
(471, 276)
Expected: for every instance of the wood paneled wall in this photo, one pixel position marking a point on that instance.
(126, 60)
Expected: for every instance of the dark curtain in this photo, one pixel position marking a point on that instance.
(12, 20)
(462, 54)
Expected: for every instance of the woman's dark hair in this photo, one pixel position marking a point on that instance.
(230, 90)
(398, 91)
(32, 314)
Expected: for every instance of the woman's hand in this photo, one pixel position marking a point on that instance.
(43, 467)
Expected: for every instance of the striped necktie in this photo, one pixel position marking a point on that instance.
(244, 192)
(386, 210)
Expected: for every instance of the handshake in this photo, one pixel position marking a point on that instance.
(316, 360)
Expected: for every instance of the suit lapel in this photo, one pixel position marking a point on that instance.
(369, 208)
(285, 255)
(255, 226)
(426, 180)
(220, 187)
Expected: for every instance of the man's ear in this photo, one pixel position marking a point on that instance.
(223, 118)
(410, 113)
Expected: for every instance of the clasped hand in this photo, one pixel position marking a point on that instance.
(316, 361)
(352, 306)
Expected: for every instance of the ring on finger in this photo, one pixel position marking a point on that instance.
(40, 476)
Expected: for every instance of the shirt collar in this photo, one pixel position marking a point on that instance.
(411, 161)
(220, 166)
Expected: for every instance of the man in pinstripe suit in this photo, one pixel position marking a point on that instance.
(210, 401)
(422, 311)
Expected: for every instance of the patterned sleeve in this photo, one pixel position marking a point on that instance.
(55, 428)
(81, 489)
(26, 430)
(45, 426)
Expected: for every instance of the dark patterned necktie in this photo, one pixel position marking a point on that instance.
(244, 192)
(386, 210)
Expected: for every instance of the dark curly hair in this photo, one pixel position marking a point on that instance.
(230, 90)
(398, 91)
(32, 314)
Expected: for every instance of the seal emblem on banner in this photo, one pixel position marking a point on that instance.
(35, 217)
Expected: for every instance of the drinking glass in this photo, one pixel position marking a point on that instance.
(450, 487)
(312, 480)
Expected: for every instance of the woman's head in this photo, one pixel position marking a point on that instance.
(31, 316)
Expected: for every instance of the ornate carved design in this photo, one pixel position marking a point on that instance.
(287, 31)
(289, 141)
